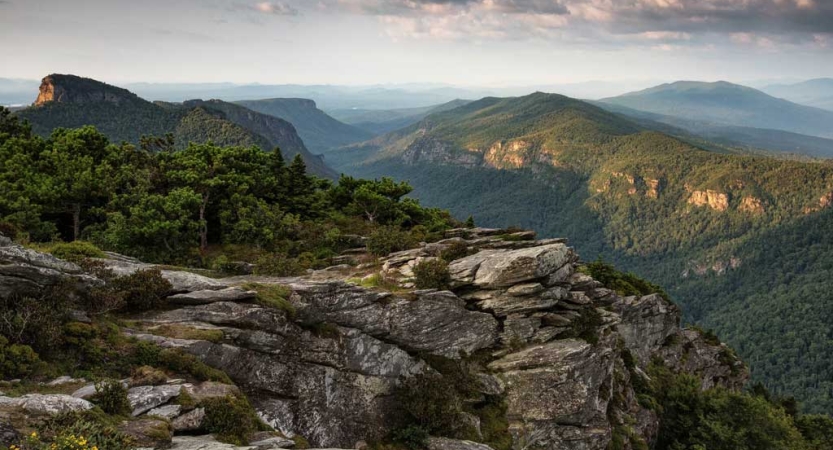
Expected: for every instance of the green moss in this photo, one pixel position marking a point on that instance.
(273, 296)
(301, 442)
(179, 331)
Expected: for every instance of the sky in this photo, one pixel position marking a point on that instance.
(460, 42)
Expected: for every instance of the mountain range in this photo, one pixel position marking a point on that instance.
(723, 103)
(817, 92)
(69, 101)
(740, 241)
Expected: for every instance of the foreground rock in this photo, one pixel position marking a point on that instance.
(28, 272)
(561, 352)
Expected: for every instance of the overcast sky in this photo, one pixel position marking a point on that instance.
(463, 42)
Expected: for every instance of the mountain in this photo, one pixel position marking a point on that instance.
(741, 242)
(817, 92)
(278, 132)
(381, 121)
(724, 103)
(743, 139)
(69, 101)
(319, 131)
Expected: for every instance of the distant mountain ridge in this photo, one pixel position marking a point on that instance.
(725, 103)
(69, 101)
(381, 121)
(742, 242)
(817, 92)
(319, 131)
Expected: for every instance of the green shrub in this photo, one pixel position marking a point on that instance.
(231, 419)
(36, 321)
(147, 375)
(432, 274)
(411, 437)
(144, 290)
(99, 431)
(76, 251)
(431, 403)
(111, 397)
(455, 250)
(386, 240)
(16, 360)
(586, 326)
(622, 283)
(278, 265)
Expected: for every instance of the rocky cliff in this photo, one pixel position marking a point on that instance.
(548, 356)
(74, 89)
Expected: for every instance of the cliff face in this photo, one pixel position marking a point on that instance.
(73, 89)
(559, 351)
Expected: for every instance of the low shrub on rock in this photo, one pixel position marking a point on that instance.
(231, 419)
(386, 240)
(16, 360)
(76, 251)
(111, 397)
(144, 290)
(432, 274)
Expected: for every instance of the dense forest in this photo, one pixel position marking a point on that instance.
(741, 241)
(189, 205)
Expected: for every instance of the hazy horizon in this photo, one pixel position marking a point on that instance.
(469, 43)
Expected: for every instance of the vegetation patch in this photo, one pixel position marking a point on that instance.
(622, 283)
(432, 274)
(76, 251)
(180, 331)
(273, 296)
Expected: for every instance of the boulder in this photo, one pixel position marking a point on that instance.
(504, 268)
(28, 272)
(144, 398)
(52, 404)
(232, 294)
(647, 322)
(148, 432)
(8, 434)
(190, 421)
(211, 389)
(266, 440)
(166, 412)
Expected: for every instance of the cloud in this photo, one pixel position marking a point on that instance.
(276, 8)
(771, 22)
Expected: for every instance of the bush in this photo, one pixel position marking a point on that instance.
(386, 240)
(231, 419)
(144, 290)
(432, 274)
(278, 265)
(66, 429)
(76, 251)
(411, 437)
(273, 296)
(146, 375)
(36, 321)
(16, 360)
(111, 397)
(431, 403)
(455, 250)
(9, 230)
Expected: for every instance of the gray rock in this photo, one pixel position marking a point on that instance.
(190, 421)
(439, 443)
(270, 442)
(28, 272)
(647, 322)
(62, 380)
(148, 432)
(166, 412)
(211, 389)
(501, 268)
(8, 434)
(203, 443)
(144, 398)
(520, 290)
(47, 404)
(232, 294)
(180, 280)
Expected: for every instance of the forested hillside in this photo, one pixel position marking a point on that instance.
(68, 101)
(739, 241)
(319, 131)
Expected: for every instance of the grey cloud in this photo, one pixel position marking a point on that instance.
(788, 20)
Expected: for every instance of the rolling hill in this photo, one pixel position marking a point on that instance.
(381, 121)
(726, 234)
(319, 131)
(724, 104)
(69, 101)
(817, 92)
(736, 138)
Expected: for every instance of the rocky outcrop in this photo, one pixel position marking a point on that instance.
(717, 201)
(74, 89)
(27, 272)
(538, 336)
